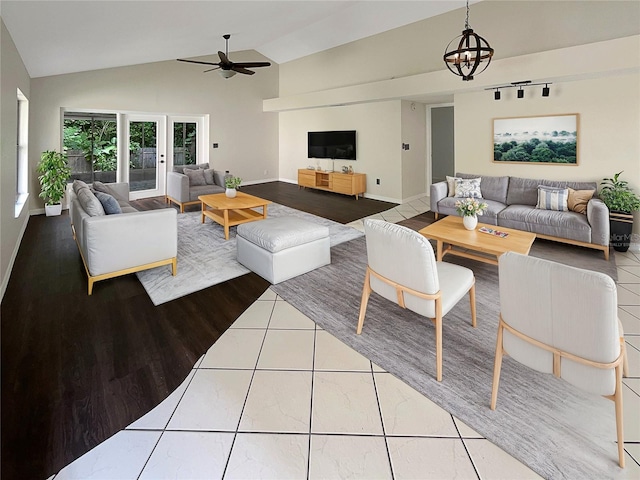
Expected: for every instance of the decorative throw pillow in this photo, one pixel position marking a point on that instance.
(89, 202)
(451, 185)
(468, 188)
(78, 184)
(109, 203)
(101, 187)
(552, 198)
(196, 177)
(218, 176)
(578, 199)
(208, 176)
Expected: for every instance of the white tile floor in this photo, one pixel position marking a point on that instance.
(277, 397)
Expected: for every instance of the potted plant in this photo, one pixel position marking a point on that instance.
(470, 208)
(622, 202)
(232, 183)
(53, 172)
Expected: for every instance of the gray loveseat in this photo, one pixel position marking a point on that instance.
(184, 190)
(114, 238)
(512, 204)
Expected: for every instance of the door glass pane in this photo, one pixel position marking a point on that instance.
(142, 156)
(90, 141)
(185, 139)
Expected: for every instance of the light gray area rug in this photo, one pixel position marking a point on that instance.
(205, 258)
(554, 428)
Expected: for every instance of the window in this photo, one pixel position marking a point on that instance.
(91, 143)
(185, 143)
(22, 153)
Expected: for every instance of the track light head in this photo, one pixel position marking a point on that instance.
(520, 93)
(545, 90)
(496, 95)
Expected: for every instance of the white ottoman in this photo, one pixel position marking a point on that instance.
(281, 248)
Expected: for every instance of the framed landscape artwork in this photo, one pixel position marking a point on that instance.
(548, 140)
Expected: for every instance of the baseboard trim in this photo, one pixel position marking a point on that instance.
(14, 255)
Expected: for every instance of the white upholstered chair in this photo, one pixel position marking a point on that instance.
(402, 268)
(562, 320)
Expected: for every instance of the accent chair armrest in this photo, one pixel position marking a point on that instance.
(598, 218)
(438, 192)
(178, 186)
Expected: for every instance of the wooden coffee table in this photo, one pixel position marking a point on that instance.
(232, 211)
(450, 230)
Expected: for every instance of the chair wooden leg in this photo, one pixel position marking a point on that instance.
(366, 291)
(617, 398)
(625, 358)
(438, 340)
(174, 266)
(436, 215)
(497, 366)
(472, 300)
(90, 285)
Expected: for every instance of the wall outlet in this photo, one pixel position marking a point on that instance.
(215, 145)
(265, 172)
(377, 181)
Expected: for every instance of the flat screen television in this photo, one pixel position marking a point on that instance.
(338, 145)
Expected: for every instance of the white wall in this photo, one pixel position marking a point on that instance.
(13, 75)
(378, 137)
(609, 138)
(414, 164)
(247, 136)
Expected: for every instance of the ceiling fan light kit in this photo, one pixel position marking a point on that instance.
(228, 68)
(471, 51)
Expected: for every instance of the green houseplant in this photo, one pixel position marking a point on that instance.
(53, 171)
(232, 183)
(622, 202)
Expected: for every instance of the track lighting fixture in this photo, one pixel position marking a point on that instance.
(520, 86)
(470, 50)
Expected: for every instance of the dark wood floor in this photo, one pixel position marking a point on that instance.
(76, 369)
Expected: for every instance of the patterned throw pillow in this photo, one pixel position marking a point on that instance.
(552, 198)
(468, 188)
(196, 177)
(578, 199)
(451, 185)
(109, 203)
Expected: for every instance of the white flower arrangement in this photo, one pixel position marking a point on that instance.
(470, 207)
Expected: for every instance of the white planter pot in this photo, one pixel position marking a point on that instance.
(53, 210)
(230, 192)
(470, 222)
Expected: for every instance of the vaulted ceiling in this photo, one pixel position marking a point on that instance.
(57, 37)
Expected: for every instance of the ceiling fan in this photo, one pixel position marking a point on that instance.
(228, 68)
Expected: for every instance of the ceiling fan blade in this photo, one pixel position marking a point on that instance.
(223, 59)
(238, 69)
(195, 61)
(252, 64)
(211, 69)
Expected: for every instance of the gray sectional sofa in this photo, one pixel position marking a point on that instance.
(512, 204)
(114, 238)
(183, 189)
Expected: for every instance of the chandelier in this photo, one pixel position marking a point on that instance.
(471, 50)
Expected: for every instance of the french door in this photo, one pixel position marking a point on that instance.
(145, 156)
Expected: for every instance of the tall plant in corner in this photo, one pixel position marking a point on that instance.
(622, 202)
(53, 171)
